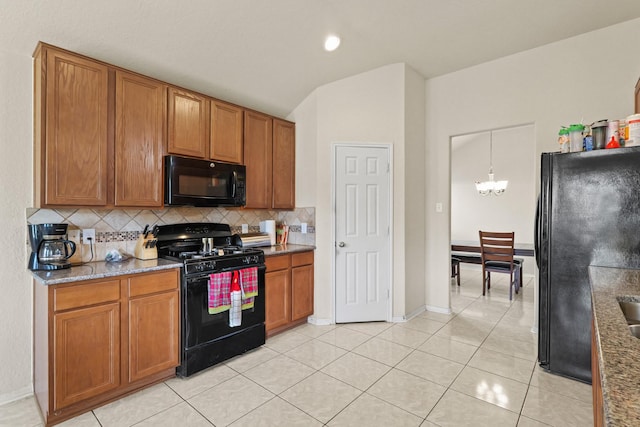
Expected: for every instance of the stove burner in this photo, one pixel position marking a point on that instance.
(205, 254)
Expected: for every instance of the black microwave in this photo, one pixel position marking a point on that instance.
(196, 182)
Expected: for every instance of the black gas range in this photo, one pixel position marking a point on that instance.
(207, 250)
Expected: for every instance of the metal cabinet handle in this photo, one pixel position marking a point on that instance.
(341, 244)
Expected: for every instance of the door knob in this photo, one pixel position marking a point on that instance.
(341, 244)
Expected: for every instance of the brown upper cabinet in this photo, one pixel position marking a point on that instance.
(204, 128)
(284, 161)
(71, 128)
(258, 156)
(269, 154)
(188, 127)
(99, 133)
(139, 140)
(226, 132)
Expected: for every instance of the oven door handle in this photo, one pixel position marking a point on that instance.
(196, 277)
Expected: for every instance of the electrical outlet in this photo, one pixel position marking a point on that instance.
(439, 207)
(245, 228)
(88, 233)
(303, 228)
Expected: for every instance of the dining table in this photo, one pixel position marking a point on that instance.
(521, 249)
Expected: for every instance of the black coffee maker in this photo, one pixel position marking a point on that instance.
(50, 249)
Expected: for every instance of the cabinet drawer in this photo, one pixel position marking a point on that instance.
(84, 295)
(302, 258)
(280, 262)
(154, 282)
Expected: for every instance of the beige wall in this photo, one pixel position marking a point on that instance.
(366, 108)
(415, 194)
(550, 86)
(16, 183)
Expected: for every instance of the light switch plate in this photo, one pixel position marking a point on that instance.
(303, 228)
(245, 228)
(439, 207)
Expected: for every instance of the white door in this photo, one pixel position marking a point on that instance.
(362, 240)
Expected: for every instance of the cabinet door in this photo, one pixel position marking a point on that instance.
(226, 132)
(188, 123)
(596, 385)
(301, 292)
(139, 140)
(86, 353)
(74, 150)
(277, 300)
(258, 156)
(284, 160)
(153, 334)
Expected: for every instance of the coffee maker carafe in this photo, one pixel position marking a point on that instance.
(50, 249)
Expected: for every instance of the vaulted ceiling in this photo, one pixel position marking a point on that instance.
(268, 54)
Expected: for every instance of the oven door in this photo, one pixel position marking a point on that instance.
(200, 327)
(203, 183)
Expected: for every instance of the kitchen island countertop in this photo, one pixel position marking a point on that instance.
(102, 269)
(619, 351)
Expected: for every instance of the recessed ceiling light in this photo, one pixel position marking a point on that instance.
(331, 43)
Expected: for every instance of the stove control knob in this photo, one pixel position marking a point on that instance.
(200, 267)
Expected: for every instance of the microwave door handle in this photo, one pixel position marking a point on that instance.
(234, 179)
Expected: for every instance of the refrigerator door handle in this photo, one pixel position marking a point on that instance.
(536, 233)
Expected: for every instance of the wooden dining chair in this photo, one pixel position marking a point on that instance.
(455, 269)
(496, 250)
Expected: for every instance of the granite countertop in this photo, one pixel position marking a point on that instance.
(102, 269)
(619, 350)
(286, 249)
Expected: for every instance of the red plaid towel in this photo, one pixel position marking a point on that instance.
(219, 288)
(249, 284)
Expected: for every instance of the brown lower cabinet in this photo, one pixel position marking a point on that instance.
(289, 290)
(98, 340)
(637, 98)
(596, 383)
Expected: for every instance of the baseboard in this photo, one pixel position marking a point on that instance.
(16, 395)
(407, 317)
(438, 309)
(319, 322)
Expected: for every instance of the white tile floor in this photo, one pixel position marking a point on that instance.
(475, 367)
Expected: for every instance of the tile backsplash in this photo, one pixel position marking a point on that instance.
(119, 228)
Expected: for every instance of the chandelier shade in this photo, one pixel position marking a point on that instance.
(491, 186)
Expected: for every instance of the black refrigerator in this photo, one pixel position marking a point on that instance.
(588, 214)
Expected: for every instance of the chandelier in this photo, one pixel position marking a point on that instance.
(491, 186)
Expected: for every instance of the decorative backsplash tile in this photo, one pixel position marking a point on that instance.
(118, 229)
